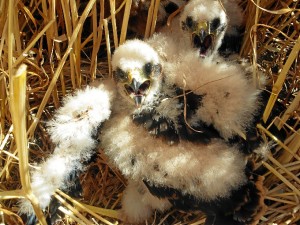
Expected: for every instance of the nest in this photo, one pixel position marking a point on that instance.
(50, 48)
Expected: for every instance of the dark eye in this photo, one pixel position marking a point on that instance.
(148, 68)
(215, 23)
(120, 75)
(189, 22)
(171, 7)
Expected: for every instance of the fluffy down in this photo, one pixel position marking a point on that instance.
(212, 173)
(230, 95)
(71, 130)
(229, 99)
(235, 16)
(171, 41)
(206, 171)
(133, 52)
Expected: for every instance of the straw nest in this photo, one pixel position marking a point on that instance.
(67, 44)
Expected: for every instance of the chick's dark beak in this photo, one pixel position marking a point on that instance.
(137, 90)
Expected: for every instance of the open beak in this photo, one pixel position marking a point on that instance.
(202, 39)
(137, 90)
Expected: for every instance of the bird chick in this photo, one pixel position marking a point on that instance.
(205, 23)
(174, 171)
(229, 99)
(144, 133)
(209, 27)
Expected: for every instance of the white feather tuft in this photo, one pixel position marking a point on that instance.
(80, 115)
(72, 130)
(25, 207)
(264, 150)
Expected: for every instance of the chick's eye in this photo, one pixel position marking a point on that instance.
(120, 74)
(189, 22)
(215, 23)
(171, 7)
(148, 68)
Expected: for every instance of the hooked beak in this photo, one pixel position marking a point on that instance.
(202, 39)
(137, 90)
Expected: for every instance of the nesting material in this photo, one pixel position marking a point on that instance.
(65, 46)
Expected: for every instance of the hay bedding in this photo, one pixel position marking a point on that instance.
(67, 44)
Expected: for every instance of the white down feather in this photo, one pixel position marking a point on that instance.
(71, 130)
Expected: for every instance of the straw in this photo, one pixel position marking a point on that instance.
(281, 78)
(113, 21)
(61, 64)
(17, 107)
(149, 19)
(154, 17)
(125, 21)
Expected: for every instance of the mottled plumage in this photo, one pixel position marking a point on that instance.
(153, 131)
(175, 171)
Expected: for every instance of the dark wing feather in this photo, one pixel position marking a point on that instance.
(202, 133)
(231, 44)
(175, 197)
(159, 128)
(207, 132)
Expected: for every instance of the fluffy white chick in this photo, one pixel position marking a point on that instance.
(229, 100)
(205, 26)
(205, 23)
(144, 134)
(147, 140)
(210, 24)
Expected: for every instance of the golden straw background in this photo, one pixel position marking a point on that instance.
(49, 48)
